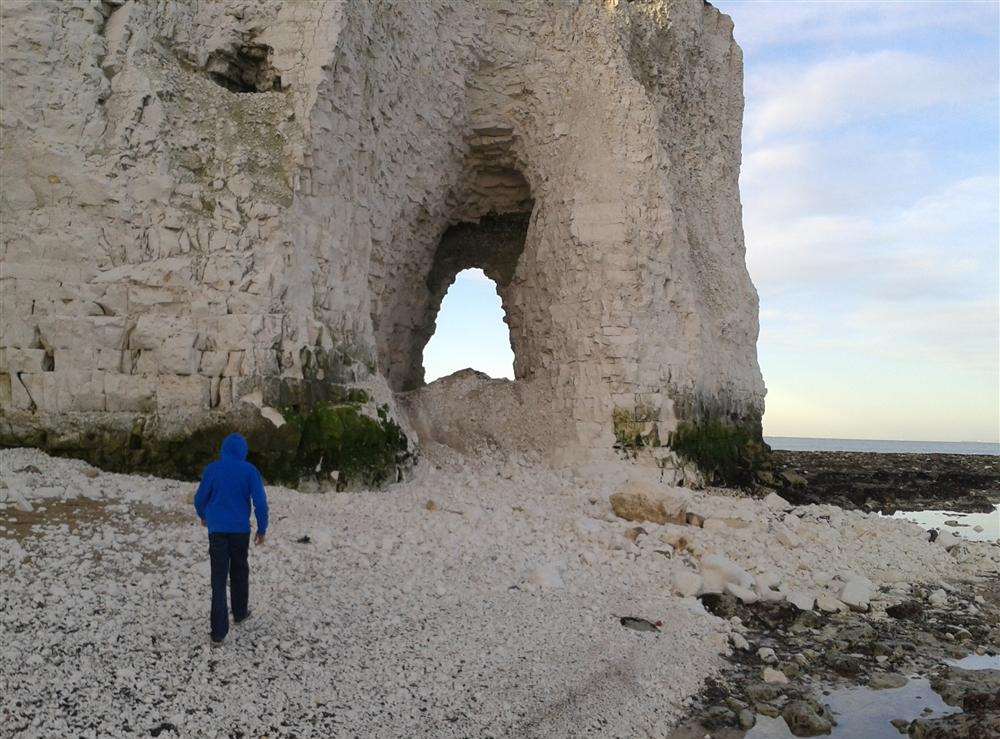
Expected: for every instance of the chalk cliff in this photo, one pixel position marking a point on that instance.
(221, 214)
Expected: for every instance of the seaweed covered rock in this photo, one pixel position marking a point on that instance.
(342, 443)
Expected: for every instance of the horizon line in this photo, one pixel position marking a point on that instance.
(859, 438)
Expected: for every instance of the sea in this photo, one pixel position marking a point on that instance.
(805, 444)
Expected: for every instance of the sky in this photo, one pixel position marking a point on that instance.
(870, 207)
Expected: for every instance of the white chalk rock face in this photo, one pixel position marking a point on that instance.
(214, 198)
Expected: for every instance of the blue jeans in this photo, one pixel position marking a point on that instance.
(228, 553)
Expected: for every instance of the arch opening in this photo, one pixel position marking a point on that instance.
(485, 226)
(493, 245)
(470, 331)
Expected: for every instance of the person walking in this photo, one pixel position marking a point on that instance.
(228, 486)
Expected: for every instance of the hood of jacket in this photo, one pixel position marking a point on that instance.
(235, 446)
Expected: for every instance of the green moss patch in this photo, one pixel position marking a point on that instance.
(343, 439)
(317, 438)
(729, 453)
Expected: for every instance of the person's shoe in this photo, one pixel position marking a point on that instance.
(242, 620)
(217, 642)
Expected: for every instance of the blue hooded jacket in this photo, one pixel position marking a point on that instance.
(227, 487)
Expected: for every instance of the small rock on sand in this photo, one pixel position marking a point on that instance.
(937, 598)
(20, 502)
(887, 680)
(634, 533)
(801, 600)
(857, 592)
(774, 677)
(908, 609)
(807, 718)
(547, 576)
(829, 604)
(767, 655)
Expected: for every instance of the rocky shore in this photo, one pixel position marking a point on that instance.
(787, 662)
(486, 597)
(871, 481)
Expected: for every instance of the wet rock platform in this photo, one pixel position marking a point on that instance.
(887, 483)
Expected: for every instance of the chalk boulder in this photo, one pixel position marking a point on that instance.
(717, 572)
(638, 501)
(856, 592)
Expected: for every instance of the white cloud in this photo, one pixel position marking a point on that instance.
(473, 275)
(943, 246)
(761, 24)
(963, 337)
(856, 87)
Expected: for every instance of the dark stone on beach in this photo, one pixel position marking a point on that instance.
(908, 609)
(718, 716)
(974, 702)
(762, 692)
(722, 605)
(844, 664)
(794, 479)
(773, 615)
(807, 718)
(887, 681)
(954, 684)
(901, 724)
(957, 726)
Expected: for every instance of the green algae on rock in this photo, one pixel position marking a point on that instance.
(341, 438)
(728, 453)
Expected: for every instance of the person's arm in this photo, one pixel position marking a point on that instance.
(259, 505)
(203, 494)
